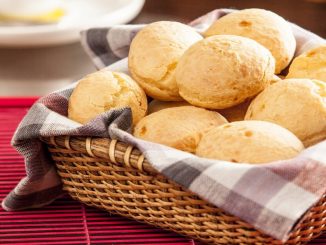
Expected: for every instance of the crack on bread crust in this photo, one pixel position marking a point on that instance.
(155, 87)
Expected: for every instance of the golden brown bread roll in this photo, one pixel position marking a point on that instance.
(104, 90)
(311, 64)
(223, 71)
(154, 54)
(249, 142)
(179, 127)
(296, 104)
(265, 27)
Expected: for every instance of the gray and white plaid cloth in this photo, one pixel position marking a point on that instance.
(272, 197)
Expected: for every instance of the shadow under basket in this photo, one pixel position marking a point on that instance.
(116, 177)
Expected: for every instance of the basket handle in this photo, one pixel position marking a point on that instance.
(116, 152)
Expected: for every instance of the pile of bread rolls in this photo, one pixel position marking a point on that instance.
(219, 95)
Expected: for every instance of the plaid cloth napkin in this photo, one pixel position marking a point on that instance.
(272, 197)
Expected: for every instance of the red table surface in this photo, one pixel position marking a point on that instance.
(65, 221)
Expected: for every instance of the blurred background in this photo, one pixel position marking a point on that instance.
(37, 60)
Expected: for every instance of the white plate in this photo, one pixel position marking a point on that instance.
(81, 14)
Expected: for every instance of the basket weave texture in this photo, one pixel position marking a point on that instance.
(113, 176)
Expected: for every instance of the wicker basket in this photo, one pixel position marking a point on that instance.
(115, 177)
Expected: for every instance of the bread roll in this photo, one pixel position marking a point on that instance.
(249, 142)
(179, 127)
(157, 105)
(154, 54)
(104, 90)
(223, 71)
(265, 27)
(311, 64)
(296, 104)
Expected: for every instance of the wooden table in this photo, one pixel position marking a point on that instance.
(38, 71)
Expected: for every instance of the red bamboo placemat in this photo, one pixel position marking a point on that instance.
(65, 221)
